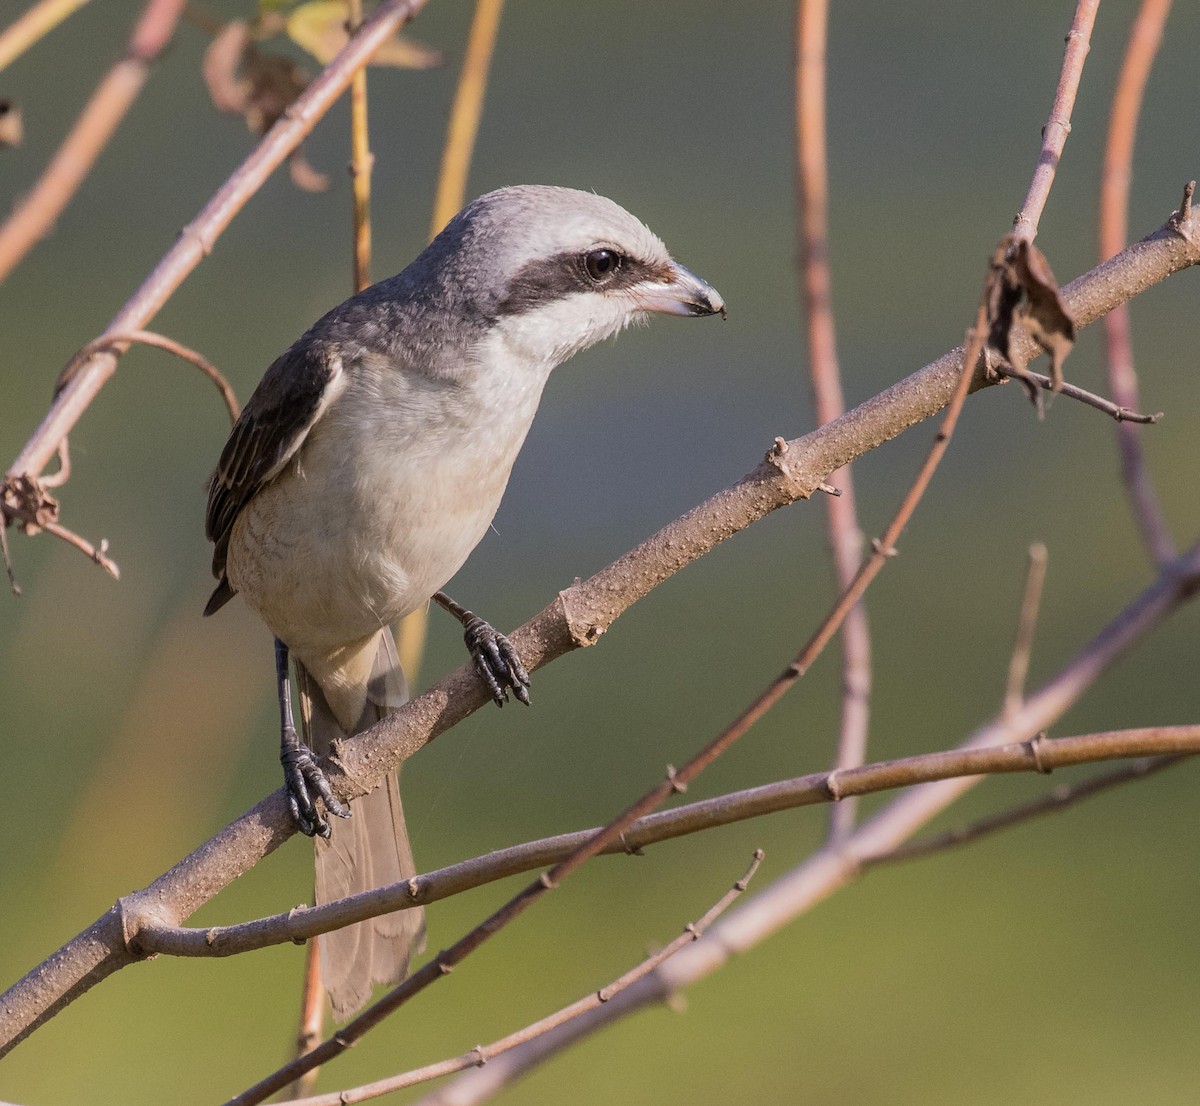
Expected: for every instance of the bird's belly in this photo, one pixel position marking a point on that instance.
(377, 548)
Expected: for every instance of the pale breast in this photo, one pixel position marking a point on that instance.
(394, 487)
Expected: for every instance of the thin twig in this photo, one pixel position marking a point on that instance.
(838, 864)
(198, 239)
(300, 924)
(577, 617)
(97, 553)
(462, 130)
(27, 29)
(1060, 799)
(845, 536)
(1058, 126)
(1144, 38)
(1113, 410)
(33, 217)
(362, 162)
(482, 1054)
(1018, 665)
(312, 1017)
(123, 339)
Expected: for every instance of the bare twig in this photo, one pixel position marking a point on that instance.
(126, 338)
(27, 29)
(198, 239)
(1060, 799)
(1058, 126)
(300, 924)
(577, 617)
(481, 1054)
(838, 864)
(35, 214)
(845, 537)
(312, 1017)
(1072, 391)
(1018, 665)
(362, 161)
(1144, 39)
(466, 112)
(462, 129)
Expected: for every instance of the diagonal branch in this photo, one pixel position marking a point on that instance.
(840, 863)
(33, 217)
(199, 237)
(1041, 754)
(27, 29)
(1058, 126)
(577, 617)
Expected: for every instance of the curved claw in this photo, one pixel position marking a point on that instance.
(305, 783)
(496, 661)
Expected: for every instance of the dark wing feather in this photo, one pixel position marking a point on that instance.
(289, 399)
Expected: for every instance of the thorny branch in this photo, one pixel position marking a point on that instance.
(578, 617)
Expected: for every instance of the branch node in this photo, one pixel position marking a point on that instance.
(884, 551)
(1034, 745)
(678, 786)
(1182, 222)
(547, 881)
(833, 786)
(631, 850)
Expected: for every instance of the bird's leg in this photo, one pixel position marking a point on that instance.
(496, 661)
(302, 776)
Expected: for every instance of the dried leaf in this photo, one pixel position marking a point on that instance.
(259, 86)
(1044, 314)
(1023, 296)
(319, 27)
(12, 130)
(222, 60)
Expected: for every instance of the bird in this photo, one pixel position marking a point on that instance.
(368, 464)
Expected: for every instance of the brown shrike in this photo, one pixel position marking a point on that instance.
(369, 463)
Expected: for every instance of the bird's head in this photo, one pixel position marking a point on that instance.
(555, 270)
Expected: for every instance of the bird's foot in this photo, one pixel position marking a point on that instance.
(306, 783)
(496, 660)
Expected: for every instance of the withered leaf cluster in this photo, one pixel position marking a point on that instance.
(1023, 298)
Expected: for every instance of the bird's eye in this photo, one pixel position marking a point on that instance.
(601, 264)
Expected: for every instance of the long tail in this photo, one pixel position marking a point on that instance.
(368, 850)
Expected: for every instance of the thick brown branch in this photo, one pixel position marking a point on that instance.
(577, 617)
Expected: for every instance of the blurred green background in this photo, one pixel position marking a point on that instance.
(1055, 963)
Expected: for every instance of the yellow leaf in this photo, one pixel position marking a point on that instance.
(319, 27)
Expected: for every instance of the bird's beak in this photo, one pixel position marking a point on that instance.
(681, 293)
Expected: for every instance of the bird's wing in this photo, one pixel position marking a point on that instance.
(292, 395)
